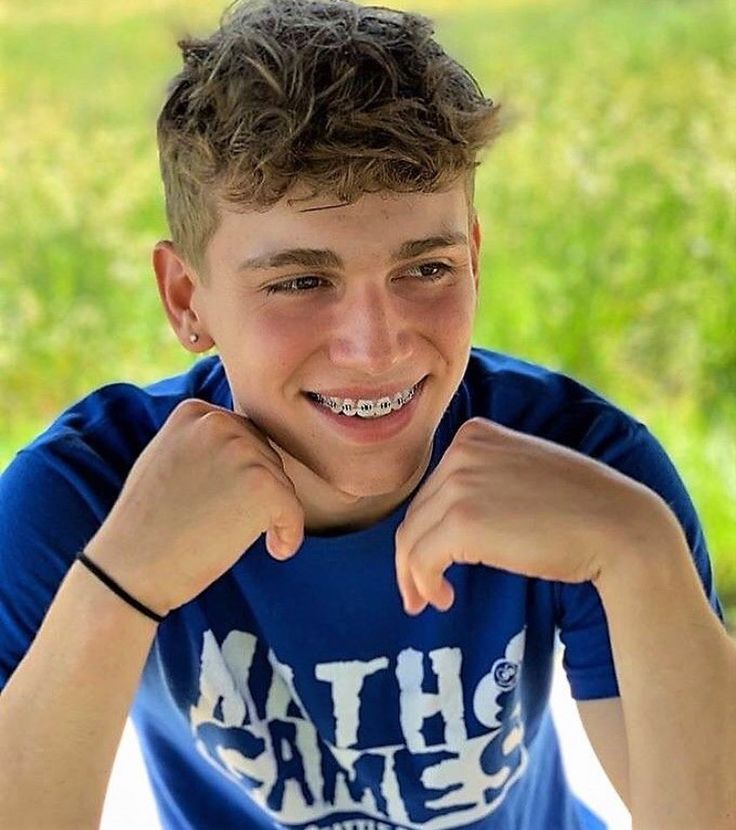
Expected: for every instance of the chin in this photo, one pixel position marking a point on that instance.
(368, 480)
(369, 475)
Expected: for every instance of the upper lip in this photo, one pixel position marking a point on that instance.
(358, 392)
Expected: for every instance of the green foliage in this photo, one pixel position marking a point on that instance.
(608, 211)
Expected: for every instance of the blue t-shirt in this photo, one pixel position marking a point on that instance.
(299, 693)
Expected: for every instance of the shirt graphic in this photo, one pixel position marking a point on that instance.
(301, 776)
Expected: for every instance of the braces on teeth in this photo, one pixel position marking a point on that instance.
(366, 408)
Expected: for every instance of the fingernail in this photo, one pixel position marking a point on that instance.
(289, 543)
(278, 546)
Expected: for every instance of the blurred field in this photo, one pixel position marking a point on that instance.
(609, 211)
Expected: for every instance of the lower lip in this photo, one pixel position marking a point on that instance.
(365, 430)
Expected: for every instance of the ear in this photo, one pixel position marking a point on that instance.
(178, 288)
(475, 240)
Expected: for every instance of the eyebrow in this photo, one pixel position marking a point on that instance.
(325, 258)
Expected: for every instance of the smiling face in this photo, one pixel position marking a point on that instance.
(358, 301)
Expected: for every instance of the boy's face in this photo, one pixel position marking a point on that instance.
(364, 311)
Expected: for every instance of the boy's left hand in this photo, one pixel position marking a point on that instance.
(520, 503)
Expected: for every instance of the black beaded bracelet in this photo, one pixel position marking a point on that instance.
(113, 586)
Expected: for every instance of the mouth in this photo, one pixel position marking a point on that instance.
(356, 407)
(369, 419)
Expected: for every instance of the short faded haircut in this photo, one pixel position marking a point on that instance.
(342, 98)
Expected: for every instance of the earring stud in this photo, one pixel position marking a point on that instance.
(193, 337)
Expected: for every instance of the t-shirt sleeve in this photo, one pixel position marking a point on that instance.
(629, 447)
(53, 498)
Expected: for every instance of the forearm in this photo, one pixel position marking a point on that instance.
(676, 669)
(63, 711)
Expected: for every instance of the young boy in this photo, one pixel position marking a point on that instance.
(433, 513)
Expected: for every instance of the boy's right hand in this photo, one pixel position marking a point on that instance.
(204, 489)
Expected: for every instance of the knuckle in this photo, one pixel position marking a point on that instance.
(212, 419)
(463, 480)
(461, 512)
(190, 407)
(258, 475)
(458, 481)
(453, 485)
(474, 427)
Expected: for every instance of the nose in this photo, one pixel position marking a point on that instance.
(372, 335)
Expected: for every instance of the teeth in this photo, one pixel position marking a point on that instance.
(367, 408)
(383, 406)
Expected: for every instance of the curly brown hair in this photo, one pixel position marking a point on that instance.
(342, 98)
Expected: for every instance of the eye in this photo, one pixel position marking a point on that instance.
(440, 269)
(301, 285)
(289, 286)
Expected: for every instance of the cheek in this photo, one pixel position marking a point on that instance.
(453, 315)
(271, 337)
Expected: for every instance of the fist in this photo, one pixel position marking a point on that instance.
(204, 489)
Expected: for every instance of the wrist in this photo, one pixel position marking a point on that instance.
(118, 589)
(110, 557)
(650, 544)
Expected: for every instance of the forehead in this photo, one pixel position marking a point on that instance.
(376, 222)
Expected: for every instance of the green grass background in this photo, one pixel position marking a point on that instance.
(608, 211)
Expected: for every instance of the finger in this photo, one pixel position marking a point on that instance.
(415, 524)
(288, 522)
(280, 544)
(430, 557)
(280, 512)
(285, 534)
(410, 596)
(419, 519)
